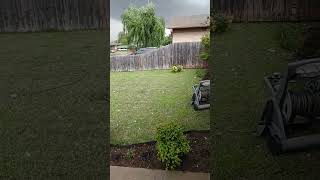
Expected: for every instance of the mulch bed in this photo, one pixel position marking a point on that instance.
(144, 155)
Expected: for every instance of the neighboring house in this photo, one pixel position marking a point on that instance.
(188, 28)
(114, 46)
(123, 48)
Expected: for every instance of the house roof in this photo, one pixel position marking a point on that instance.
(188, 21)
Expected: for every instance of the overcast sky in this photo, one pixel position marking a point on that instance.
(164, 8)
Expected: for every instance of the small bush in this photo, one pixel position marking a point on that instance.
(205, 47)
(200, 73)
(204, 56)
(177, 68)
(174, 69)
(291, 37)
(220, 23)
(171, 145)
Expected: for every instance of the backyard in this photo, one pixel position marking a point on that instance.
(242, 57)
(142, 100)
(53, 87)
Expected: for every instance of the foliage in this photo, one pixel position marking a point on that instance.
(167, 40)
(122, 38)
(177, 68)
(142, 26)
(131, 46)
(174, 69)
(205, 47)
(200, 73)
(220, 23)
(171, 145)
(290, 36)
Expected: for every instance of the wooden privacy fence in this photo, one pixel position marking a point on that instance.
(58, 15)
(269, 10)
(186, 54)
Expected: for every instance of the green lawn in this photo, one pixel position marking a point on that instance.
(242, 57)
(52, 107)
(142, 100)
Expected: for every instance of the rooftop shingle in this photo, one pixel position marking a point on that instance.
(188, 21)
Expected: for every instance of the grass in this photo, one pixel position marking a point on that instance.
(52, 107)
(242, 57)
(142, 100)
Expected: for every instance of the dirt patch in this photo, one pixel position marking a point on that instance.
(144, 155)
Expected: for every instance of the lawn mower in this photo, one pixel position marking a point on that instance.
(201, 95)
(292, 110)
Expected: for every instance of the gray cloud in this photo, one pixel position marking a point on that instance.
(164, 8)
(115, 27)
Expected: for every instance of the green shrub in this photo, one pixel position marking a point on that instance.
(177, 68)
(204, 56)
(180, 68)
(174, 69)
(220, 22)
(171, 145)
(200, 73)
(291, 36)
(205, 47)
(167, 40)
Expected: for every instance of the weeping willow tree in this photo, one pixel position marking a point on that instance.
(143, 27)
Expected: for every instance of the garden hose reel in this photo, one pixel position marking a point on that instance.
(201, 95)
(293, 99)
